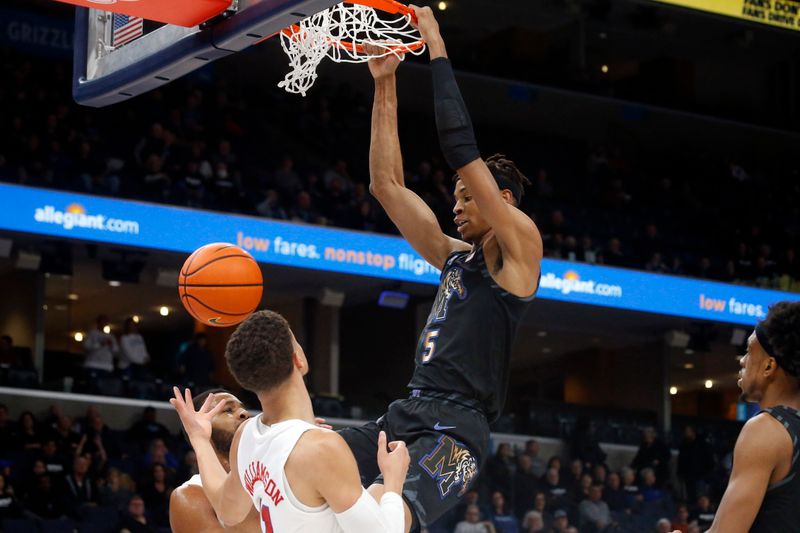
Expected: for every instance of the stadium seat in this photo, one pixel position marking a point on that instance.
(109, 387)
(56, 526)
(19, 525)
(23, 378)
(99, 520)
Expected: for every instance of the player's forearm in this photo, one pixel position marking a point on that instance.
(212, 474)
(385, 159)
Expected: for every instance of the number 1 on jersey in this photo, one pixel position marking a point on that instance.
(430, 345)
(266, 520)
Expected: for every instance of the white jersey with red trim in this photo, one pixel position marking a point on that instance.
(263, 451)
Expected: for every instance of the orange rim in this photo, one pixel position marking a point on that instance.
(389, 6)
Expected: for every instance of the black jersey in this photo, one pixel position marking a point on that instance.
(465, 347)
(779, 511)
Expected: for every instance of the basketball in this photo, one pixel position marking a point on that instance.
(220, 284)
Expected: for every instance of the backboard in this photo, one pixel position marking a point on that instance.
(104, 74)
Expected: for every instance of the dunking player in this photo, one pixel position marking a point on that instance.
(764, 488)
(488, 281)
(298, 477)
(189, 508)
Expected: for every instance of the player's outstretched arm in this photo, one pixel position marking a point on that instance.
(516, 233)
(410, 214)
(327, 465)
(224, 490)
(757, 452)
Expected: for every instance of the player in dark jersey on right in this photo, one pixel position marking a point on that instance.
(488, 281)
(763, 494)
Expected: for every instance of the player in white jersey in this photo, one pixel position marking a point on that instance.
(189, 508)
(299, 477)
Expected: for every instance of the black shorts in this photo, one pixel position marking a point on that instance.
(447, 439)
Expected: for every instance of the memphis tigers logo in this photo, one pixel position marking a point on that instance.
(451, 465)
(452, 285)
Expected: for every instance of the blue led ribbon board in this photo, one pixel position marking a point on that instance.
(160, 227)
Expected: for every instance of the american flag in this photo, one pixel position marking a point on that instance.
(126, 28)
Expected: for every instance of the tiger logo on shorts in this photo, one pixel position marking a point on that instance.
(450, 464)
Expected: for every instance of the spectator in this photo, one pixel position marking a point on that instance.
(303, 211)
(651, 492)
(189, 466)
(504, 521)
(526, 484)
(43, 501)
(555, 491)
(704, 512)
(66, 439)
(28, 436)
(584, 485)
(594, 512)
(7, 432)
(55, 462)
(663, 526)
(500, 469)
(133, 357)
(633, 496)
(584, 443)
(472, 522)
(270, 206)
(695, 462)
(533, 522)
(613, 494)
(613, 255)
(681, 520)
(101, 348)
(9, 505)
(117, 490)
(160, 454)
(573, 479)
(135, 520)
(155, 491)
(7, 356)
(196, 362)
(599, 474)
(79, 487)
(98, 442)
(538, 466)
(653, 453)
(148, 428)
(560, 522)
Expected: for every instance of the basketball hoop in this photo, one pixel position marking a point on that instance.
(343, 33)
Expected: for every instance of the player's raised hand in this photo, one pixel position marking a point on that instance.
(322, 423)
(426, 23)
(381, 67)
(393, 460)
(197, 424)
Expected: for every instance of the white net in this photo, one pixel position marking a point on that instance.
(343, 33)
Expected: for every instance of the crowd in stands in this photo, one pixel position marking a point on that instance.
(59, 469)
(212, 142)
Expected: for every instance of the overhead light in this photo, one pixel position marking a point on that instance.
(602, 35)
(688, 351)
(688, 366)
(114, 283)
(673, 391)
(106, 329)
(604, 69)
(709, 383)
(546, 350)
(78, 337)
(72, 296)
(541, 334)
(44, 307)
(164, 311)
(136, 318)
(442, 6)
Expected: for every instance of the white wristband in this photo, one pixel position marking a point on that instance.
(366, 516)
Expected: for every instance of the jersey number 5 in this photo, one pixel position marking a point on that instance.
(266, 520)
(430, 345)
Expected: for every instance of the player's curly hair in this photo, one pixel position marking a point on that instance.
(783, 327)
(502, 169)
(259, 353)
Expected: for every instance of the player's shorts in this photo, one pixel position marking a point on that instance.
(447, 437)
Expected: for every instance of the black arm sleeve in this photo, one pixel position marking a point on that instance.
(456, 136)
